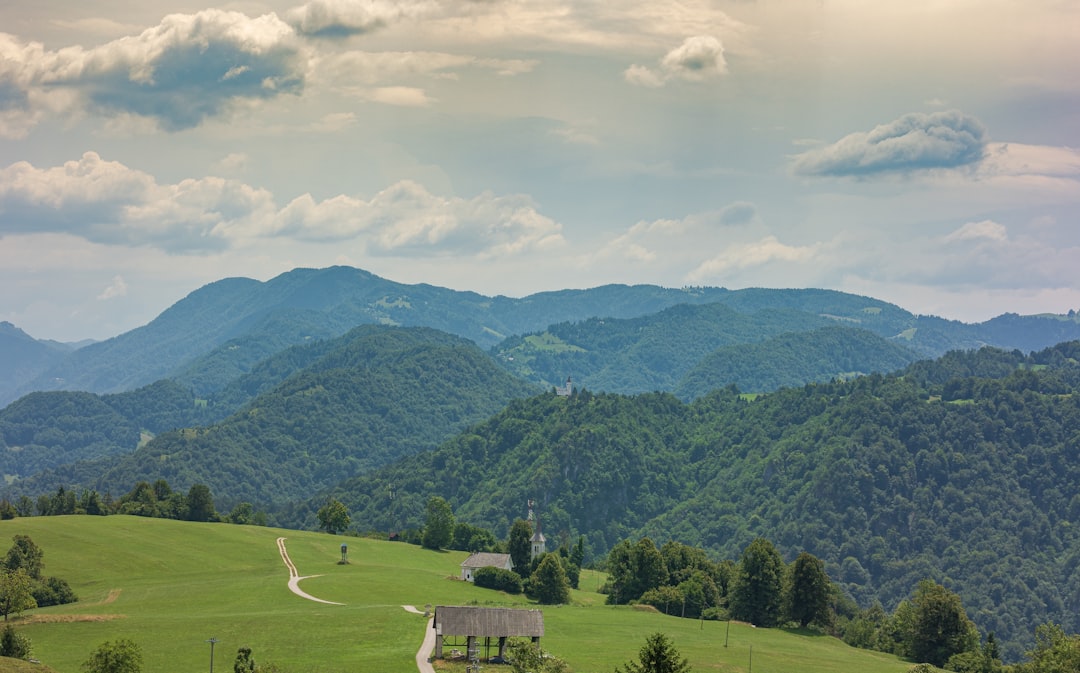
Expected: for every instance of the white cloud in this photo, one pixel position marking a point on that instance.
(738, 258)
(914, 142)
(117, 288)
(187, 68)
(407, 219)
(697, 59)
(404, 96)
(344, 18)
(985, 230)
(107, 202)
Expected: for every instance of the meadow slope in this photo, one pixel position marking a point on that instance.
(171, 586)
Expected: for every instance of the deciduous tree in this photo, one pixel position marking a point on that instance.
(758, 591)
(438, 523)
(121, 656)
(940, 627)
(333, 516)
(808, 597)
(16, 592)
(519, 545)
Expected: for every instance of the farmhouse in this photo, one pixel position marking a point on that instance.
(453, 623)
(483, 560)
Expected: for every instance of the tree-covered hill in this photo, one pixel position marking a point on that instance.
(971, 479)
(693, 349)
(794, 359)
(23, 358)
(43, 430)
(368, 398)
(219, 331)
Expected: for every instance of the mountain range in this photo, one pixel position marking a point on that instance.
(894, 446)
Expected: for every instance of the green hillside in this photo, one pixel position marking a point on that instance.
(965, 471)
(171, 586)
(361, 401)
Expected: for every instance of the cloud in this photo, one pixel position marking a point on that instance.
(187, 68)
(697, 59)
(740, 212)
(117, 288)
(405, 96)
(345, 18)
(914, 142)
(107, 202)
(737, 258)
(364, 67)
(407, 219)
(984, 230)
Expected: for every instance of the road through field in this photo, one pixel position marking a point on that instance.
(423, 664)
(294, 576)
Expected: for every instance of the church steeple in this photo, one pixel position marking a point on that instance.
(539, 544)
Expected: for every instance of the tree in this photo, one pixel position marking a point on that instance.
(519, 546)
(16, 592)
(14, 644)
(808, 597)
(333, 516)
(122, 656)
(244, 663)
(657, 656)
(243, 514)
(527, 657)
(1054, 651)
(758, 591)
(549, 583)
(940, 627)
(200, 504)
(438, 523)
(27, 555)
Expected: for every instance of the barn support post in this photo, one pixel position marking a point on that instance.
(502, 647)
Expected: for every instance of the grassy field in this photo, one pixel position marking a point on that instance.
(170, 586)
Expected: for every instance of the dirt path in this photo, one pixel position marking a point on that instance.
(422, 663)
(294, 576)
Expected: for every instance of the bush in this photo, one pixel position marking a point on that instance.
(53, 591)
(14, 645)
(499, 579)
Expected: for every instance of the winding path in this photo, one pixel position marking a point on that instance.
(294, 576)
(423, 664)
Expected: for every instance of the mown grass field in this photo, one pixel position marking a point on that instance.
(170, 586)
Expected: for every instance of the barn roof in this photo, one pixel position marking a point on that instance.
(484, 559)
(455, 620)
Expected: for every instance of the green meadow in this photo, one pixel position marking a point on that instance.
(170, 586)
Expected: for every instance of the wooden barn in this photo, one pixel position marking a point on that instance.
(475, 628)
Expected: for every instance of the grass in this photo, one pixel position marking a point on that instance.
(170, 586)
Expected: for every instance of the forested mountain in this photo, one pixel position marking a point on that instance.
(23, 358)
(965, 471)
(794, 359)
(44, 430)
(360, 402)
(694, 349)
(219, 331)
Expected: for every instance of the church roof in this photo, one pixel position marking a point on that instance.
(485, 559)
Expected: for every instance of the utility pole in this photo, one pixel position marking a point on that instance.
(212, 642)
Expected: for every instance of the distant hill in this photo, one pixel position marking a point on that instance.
(964, 470)
(713, 344)
(24, 358)
(221, 330)
(357, 402)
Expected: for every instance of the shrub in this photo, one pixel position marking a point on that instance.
(499, 579)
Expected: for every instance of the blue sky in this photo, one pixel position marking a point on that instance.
(926, 153)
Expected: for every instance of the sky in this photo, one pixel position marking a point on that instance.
(924, 152)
